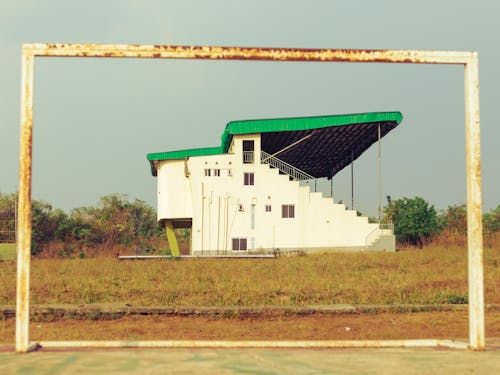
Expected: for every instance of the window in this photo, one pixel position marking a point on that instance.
(248, 178)
(239, 244)
(248, 148)
(207, 172)
(288, 211)
(240, 207)
(217, 172)
(268, 208)
(229, 172)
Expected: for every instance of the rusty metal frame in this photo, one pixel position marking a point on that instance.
(473, 169)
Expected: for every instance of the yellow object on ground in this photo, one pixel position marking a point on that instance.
(172, 239)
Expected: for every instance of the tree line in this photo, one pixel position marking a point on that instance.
(416, 222)
(117, 221)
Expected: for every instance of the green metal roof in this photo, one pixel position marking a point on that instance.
(295, 125)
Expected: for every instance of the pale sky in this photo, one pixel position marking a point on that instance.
(95, 119)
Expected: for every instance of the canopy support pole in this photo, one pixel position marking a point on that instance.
(379, 176)
(331, 187)
(352, 180)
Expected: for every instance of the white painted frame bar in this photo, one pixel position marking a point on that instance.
(473, 170)
(257, 344)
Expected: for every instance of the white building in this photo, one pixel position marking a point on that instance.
(245, 195)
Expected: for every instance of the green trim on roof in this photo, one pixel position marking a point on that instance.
(275, 125)
(181, 154)
(308, 123)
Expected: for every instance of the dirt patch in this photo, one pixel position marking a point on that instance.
(444, 324)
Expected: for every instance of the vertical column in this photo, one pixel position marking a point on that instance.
(379, 177)
(474, 206)
(352, 180)
(331, 187)
(23, 228)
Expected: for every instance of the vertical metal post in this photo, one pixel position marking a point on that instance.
(218, 225)
(474, 205)
(202, 215)
(352, 180)
(331, 187)
(24, 204)
(379, 177)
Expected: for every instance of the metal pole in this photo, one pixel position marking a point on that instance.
(379, 177)
(24, 204)
(474, 205)
(331, 187)
(202, 215)
(218, 225)
(352, 181)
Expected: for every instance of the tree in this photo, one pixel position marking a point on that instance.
(44, 225)
(114, 221)
(491, 221)
(454, 219)
(415, 221)
(7, 215)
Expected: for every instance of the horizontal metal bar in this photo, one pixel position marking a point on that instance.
(247, 53)
(257, 344)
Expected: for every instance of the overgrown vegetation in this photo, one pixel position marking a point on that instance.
(119, 225)
(113, 222)
(434, 276)
(417, 223)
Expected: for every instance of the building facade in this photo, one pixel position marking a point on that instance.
(240, 198)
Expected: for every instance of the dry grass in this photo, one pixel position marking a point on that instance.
(424, 276)
(7, 251)
(319, 327)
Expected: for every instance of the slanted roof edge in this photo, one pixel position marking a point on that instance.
(274, 125)
(308, 123)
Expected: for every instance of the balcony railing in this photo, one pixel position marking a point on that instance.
(248, 157)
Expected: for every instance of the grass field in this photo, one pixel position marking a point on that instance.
(417, 276)
(433, 275)
(7, 251)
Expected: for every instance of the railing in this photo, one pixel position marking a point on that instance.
(382, 229)
(248, 157)
(284, 167)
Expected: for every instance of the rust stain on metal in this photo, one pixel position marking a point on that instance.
(249, 53)
(24, 204)
(473, 169)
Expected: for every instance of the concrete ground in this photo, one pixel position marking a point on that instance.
(253, 361)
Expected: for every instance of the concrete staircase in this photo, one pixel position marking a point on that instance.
(367, 236)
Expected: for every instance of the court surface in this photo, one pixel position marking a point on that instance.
(253, 361)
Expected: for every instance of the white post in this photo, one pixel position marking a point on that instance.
(474, 205)
(24, 205)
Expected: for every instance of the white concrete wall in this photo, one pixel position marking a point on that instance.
(174, 190)
(213, 204)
